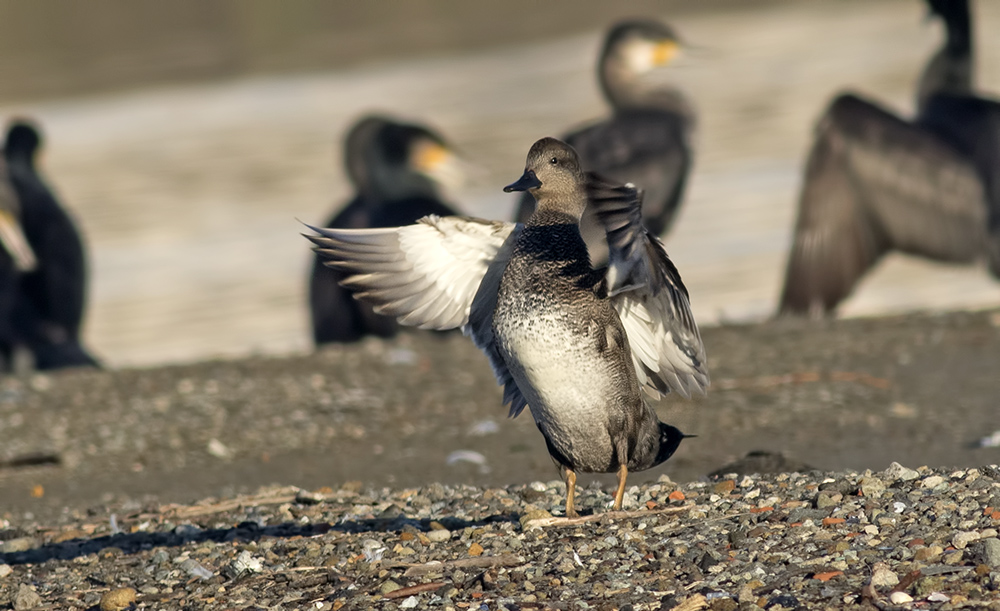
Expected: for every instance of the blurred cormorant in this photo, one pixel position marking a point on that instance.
(51, 299)
(396, 169)
(875, 182)
(16, 258)
(647, 139)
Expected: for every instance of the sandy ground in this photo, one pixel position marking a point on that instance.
(189, 195)
(852, 394)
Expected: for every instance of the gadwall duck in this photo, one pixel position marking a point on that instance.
(51, 298)
(875, 182)
(397, 170)
(576, 345)
(647, 139)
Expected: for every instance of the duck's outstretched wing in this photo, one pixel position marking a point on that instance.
(646, 290)
(439, 273)
(873, 183)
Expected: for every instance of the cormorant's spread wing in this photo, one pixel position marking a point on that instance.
(646, 290)
(440, 273)
(873, 183)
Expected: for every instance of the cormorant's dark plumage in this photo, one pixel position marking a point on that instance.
(875, 182)
(646, 140)
(52, 298)
(392, 166)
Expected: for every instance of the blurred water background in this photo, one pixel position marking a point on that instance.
(188, 137)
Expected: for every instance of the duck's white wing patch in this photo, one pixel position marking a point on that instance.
(440, 273)
(646, 290)
(425, 274)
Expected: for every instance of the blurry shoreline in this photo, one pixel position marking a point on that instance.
(189, 196)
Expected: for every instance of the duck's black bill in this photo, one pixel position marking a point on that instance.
(527, 181)
(687, 436)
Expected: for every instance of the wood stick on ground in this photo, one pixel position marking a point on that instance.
(417, 589)
(476, 562)
(193, 511)
(614, 515)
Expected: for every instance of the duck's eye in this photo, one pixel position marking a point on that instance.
(554, 161)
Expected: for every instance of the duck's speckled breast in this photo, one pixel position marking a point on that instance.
(565, 349)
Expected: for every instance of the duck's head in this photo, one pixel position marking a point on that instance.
(670, 439)
(391, 159)
(640, 45)
(23, 139)
(552, 174)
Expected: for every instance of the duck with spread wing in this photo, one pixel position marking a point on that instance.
(576, 345)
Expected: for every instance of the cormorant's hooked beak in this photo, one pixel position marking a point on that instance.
(526, 182)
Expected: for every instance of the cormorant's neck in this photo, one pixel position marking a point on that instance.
(623, 88)
(24, 159)
(951, 69)
(388, 185)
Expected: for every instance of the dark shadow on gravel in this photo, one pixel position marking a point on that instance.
(131, 543)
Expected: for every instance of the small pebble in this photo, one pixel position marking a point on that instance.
(26, 598)
(5, 570)
(195, 569)
(872, 487)
(389, 586)
(307, 497)
(438, 535)
(899, 598)
(245, 564)
(990, 552)
(897, 471)
(963, 538)
(116, 600)
(219, 450)
(883, 577)
(932, 481)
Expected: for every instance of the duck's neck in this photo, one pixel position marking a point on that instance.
(559, 210)
(951, 69)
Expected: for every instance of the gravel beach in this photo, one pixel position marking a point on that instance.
(898, 538)
(338, 480)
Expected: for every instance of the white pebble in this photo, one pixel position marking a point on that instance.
(218, 449)
(409, 603)
(938, 597)
(898, 598)
(898, 506)
(246, 564)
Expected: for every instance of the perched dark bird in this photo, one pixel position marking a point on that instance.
(16, 259)
(647, 139)
(51, 299)
(396, 169)
(576, 344)
(875, 182)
